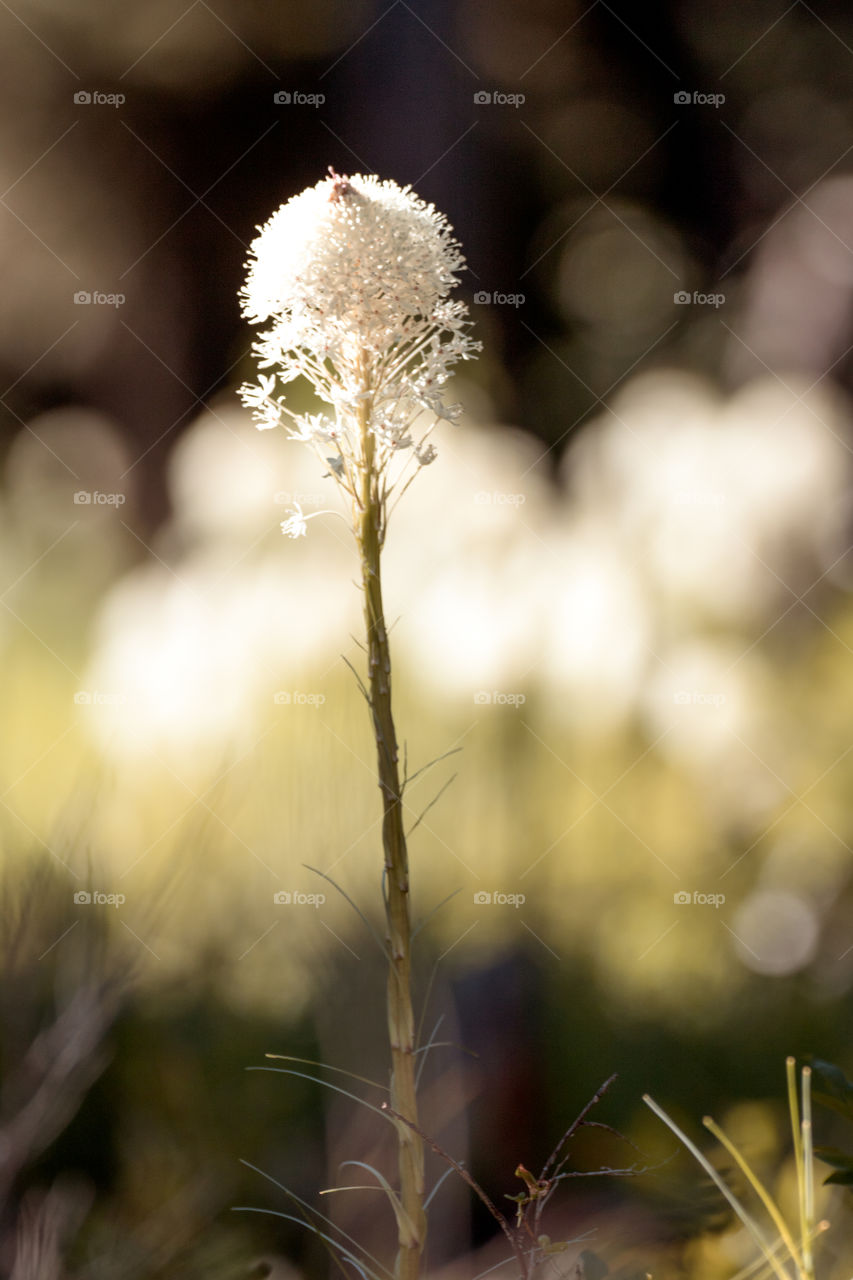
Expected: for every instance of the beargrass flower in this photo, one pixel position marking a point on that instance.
(352, 279)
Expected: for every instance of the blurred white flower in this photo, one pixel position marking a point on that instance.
(354, 275)
(192, 655)
(775, 931)
(594, 626)
(294, 526)
(709, 497)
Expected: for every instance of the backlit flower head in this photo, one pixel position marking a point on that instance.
(353, 280)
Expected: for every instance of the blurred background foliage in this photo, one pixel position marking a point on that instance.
(623, 593)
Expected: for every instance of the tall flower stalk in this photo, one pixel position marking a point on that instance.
(354, 275)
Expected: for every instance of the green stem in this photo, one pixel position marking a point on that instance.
(401, 1023)
(797, 1136)
(808, 1175)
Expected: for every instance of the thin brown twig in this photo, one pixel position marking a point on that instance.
(572, 1129)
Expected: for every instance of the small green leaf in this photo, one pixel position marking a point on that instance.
(841, 1162)
(831, 1087)
(835, 1156)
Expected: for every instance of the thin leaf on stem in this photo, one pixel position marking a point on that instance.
(308, 1209)
(432, 802)
(310, 1062)
(431, 913)
(326, 1084)
(356, 909)
(407, 780)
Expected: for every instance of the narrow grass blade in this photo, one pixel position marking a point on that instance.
(430, 914)
(309, 1209)
(404, 1223)
(797, 1138)
(309, 1062)
(430, 764)
(356, 909)
(808, 1174)
(432, 802)
(327, 1084)
(438, 1187)
(366, 1272)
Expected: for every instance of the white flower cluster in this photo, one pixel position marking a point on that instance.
(354, 275)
